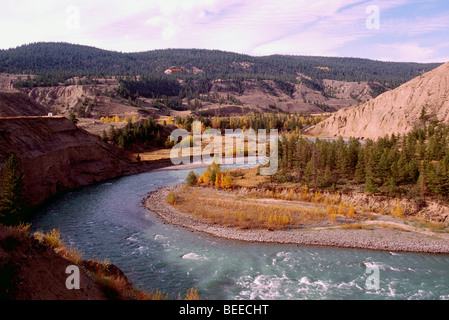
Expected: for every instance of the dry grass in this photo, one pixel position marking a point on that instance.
(24, 227)
(114, 288)
(430, 225)
(192, 294)
(53, 239)
(171, 198)
(356, 226)
(272, 212)
(117, 287)
(390, 226)
(155, 295)
(247, 177)
(161, 154)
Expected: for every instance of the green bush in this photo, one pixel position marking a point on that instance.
(191, 179)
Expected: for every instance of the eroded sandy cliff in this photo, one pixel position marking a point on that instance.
(396, 111)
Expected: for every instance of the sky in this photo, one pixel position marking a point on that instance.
(388, 30)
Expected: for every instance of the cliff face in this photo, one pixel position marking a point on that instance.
(396, 111)
(64, 98)
(67, 95)
(56, 156)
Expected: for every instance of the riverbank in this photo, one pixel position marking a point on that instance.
(396, 238)
(34, 267)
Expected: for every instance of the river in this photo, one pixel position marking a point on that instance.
(107, 221)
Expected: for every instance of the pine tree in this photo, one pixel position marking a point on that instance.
(121, 141)
(112, 134)
(12, 198)
(215, 166)
(341, 156)
(327, 178)
(401, 166)
(353, 154)
(360, 172)
(158, 138)
(73, 118)
(392, 185)
(213, 176)
(424, 117)
(412, 171)
(370, 184)
(383, 166)
(104, 135)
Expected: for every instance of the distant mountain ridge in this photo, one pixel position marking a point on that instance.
(64, 60)
(398, 111)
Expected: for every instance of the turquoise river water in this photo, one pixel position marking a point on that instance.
(108, 220)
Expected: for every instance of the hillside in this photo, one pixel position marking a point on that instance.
(86, 101)
(50, 147)
(56, 156)
(59, 60)
(103, 100)
(210, 80)
(30, 270)
(398, 111)
(33, 266)
(15, 103)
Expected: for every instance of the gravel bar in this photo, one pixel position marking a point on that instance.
(377, 239)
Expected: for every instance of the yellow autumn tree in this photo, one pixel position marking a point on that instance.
(218, 177)
(226, 182)
(351, 212)
(341, 209)
(398, 212)
(205, 176)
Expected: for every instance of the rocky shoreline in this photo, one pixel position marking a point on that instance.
(384, 239)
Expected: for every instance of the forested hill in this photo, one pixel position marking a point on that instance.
(60, 61)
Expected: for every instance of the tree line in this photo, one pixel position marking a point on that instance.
(62, 61)
(414, 164)
(252, 120)
(140, 135)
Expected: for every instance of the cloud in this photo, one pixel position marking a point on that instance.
(261, 27)
(407, 52)
(154, 21)
(177, 17)
(321, 30)
(312, 27)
